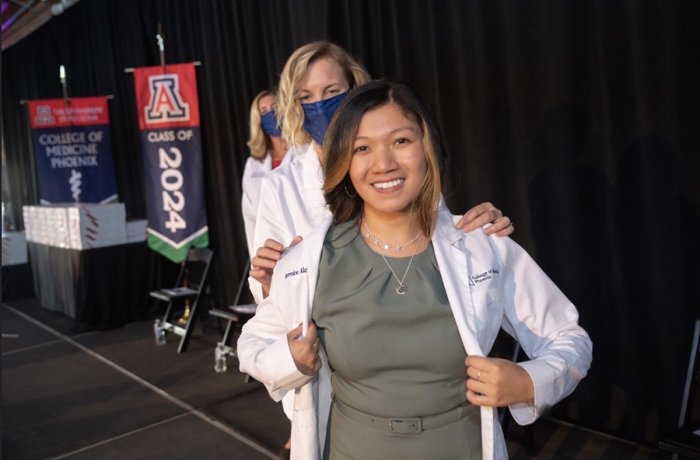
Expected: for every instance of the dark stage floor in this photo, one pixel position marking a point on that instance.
(75, 394)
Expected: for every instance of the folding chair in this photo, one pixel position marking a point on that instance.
(234, 315)
(685, 441)
(190, 285)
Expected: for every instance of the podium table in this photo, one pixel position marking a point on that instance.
(102, 287)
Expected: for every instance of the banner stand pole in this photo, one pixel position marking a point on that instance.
(161, 44)
(64, 85)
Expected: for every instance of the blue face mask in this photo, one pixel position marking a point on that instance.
(269, 125)
(318, 115)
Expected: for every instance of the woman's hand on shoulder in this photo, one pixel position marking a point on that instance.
(497, 382)
(304, 349)
(483, 214)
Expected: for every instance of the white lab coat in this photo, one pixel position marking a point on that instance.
(291, 203)
(491, 282)
(253, 174)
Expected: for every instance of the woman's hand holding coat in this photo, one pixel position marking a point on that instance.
(305, 349)
(497, 382)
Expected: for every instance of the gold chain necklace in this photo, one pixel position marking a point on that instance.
(401, 289)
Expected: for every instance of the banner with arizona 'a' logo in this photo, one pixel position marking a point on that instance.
(72, 150)
(168, 111)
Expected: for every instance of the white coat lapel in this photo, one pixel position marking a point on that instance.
(313, 245)
(452, 257)
(310, 410)
(321, 384)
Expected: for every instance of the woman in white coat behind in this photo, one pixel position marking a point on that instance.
(380, 321)
(268, 150)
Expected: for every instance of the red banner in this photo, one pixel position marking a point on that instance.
(166, 96)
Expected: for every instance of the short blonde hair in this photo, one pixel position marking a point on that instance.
(343, 201)
(289, 109)
(258, 142)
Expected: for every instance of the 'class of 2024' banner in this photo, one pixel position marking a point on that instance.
(72, 150)
(168, 113)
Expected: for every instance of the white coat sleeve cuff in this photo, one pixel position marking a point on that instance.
(280, 370)
(527, 412)
(256, 290)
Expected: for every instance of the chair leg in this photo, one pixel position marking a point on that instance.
(189, 327)
(226, 338)
(166, 317)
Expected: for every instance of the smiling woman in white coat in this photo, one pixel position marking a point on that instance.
(380, 322)
(313, 82)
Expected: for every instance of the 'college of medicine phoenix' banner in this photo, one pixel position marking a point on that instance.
(72, 149)
(168, 111)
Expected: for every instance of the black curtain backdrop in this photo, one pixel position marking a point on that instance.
(578, 119)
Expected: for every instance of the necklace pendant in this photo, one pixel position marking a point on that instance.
(386, 247)
(401, 290)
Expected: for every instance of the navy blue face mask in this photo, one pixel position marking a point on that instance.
(269, 125)
(318, 115)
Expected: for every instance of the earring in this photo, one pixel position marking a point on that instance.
(348, 193)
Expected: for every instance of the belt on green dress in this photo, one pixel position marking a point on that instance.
(405, 425)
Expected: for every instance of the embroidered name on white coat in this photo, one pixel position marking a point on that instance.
(301, 271)
(482, 277)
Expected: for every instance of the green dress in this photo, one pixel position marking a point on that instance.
(392, 355)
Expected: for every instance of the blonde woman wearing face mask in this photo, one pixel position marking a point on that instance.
(314, 81)
(380, 322)
(267, 151)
